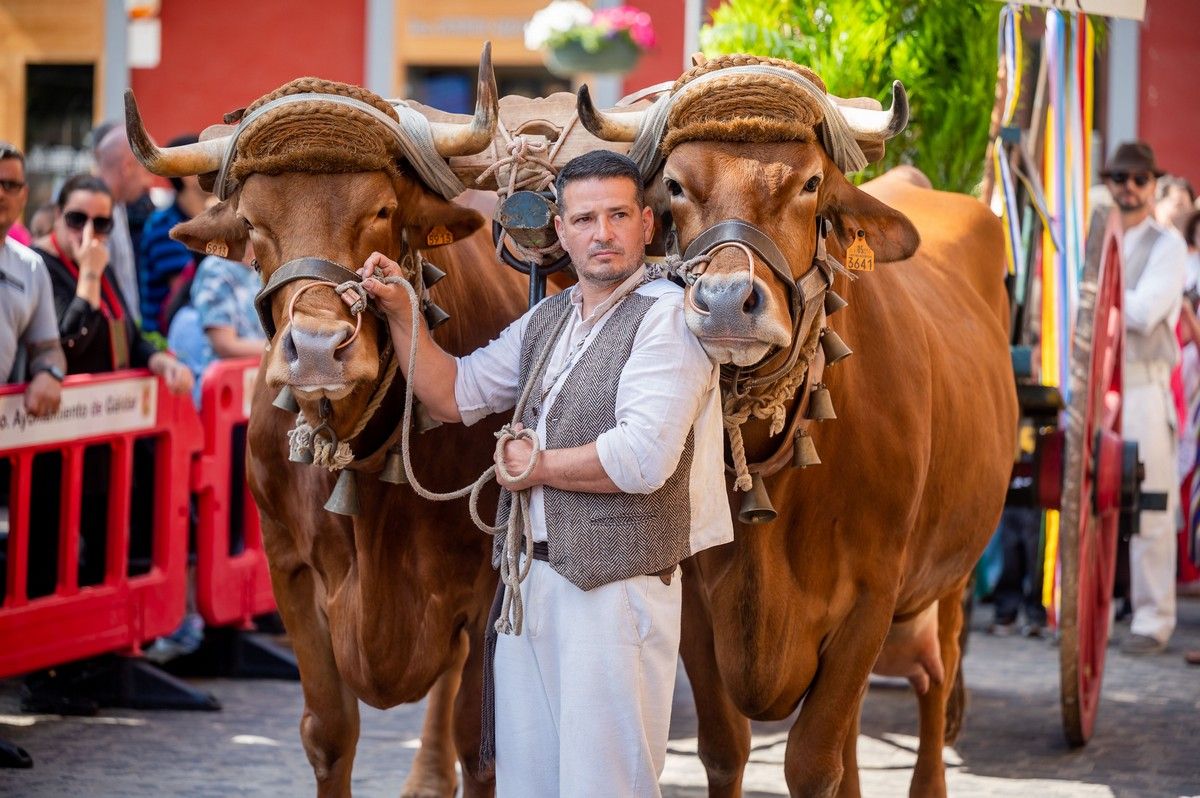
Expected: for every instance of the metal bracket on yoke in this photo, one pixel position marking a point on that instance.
(527, 217)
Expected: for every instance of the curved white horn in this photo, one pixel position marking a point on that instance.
(607, 127)
(453, 138)
(874, 125)
(189, 159)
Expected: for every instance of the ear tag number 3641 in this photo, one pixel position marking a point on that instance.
(859, 256)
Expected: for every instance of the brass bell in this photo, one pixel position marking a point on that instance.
(756, 504)
(804, 451)
(820, 406)
(422, 421)
(435, 316)
(430, 274)
(834, 302)
(393, 469)
(301, 456)
(834, 347)
(344, 499)
(284, 400)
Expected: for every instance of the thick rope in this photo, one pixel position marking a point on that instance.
(524, 151)
(771, 404)
(518, 539)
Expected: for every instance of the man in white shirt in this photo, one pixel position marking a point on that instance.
(628, 482)
(1153, 257)
(29, 344)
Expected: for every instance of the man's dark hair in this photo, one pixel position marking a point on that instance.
(180, 141)
(10, 151)
(599, 165)
(80, 182)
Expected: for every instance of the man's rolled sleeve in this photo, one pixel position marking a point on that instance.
(487, 379)
(661, 389)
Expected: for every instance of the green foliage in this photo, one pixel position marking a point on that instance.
(944, 51)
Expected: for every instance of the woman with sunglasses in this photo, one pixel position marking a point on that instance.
(98, 332)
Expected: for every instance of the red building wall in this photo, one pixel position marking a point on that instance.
(665, 62)
(1169, 116)
(211, 65)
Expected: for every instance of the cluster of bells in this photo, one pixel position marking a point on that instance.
(344, 498)
(756, 504)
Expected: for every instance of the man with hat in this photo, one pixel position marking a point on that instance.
(1153, 257)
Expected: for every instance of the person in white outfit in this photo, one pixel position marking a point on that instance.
(628, 482)
(1154, 257)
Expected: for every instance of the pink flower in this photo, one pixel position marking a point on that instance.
(633, 21)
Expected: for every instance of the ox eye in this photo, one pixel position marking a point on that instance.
(384, 213)
(246, 223)
(812, 184)
(673, 187)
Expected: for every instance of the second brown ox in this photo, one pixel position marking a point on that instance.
(865, 565)
(380, 607)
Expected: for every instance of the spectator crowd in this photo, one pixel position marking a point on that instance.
(95, 284)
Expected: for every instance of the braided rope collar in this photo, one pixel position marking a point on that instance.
(412, 133)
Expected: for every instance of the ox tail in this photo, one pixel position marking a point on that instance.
(956, 704)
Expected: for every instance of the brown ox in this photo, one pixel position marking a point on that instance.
(379, 607)
(866, 562)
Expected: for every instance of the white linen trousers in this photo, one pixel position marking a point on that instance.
(583, 694)
(1149, 418)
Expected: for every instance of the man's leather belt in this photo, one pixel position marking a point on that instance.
(541, 551)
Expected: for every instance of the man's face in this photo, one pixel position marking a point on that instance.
(603, 229)
(79, 213)
(1131, 191)
(12, 202)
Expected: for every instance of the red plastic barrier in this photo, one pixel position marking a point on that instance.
(123, 611)
(230, 589)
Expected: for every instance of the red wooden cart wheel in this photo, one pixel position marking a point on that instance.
(1091, 481)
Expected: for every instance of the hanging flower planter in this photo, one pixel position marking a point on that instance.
(617, 54)
(574, 39)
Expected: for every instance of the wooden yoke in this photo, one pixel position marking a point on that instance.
(533, 140)
(551, 133)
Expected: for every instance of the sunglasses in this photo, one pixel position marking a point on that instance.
(1140, 179)
(77, 220)
(11, 186)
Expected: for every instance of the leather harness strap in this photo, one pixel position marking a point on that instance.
(290, 272)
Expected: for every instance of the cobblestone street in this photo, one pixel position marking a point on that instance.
(1147, 741)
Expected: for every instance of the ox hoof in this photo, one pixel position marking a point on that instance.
(427, 785)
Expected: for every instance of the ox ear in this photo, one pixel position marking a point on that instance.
(435, 222)
(889, 232)
(216, 231)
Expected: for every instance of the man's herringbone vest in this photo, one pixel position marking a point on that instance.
(597, 538)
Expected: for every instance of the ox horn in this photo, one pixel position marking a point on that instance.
(454, 138)
(607, 127)
(869, 124)
(189, 159)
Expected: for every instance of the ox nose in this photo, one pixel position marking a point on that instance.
(729, 298)
(312, 355)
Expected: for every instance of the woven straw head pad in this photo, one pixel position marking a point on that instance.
(314, 136)
(742, 107)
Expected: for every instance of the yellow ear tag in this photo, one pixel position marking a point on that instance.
(218, 248)
(859, 256)
(438, 236)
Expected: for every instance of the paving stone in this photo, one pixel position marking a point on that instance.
(1147, 740)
